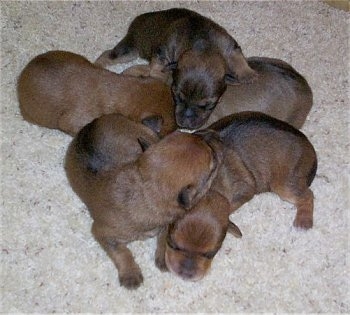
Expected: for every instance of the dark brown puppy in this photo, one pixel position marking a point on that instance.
(138, 199)
(164, 38)
(65, 91)
(265, 154)
(279, 91)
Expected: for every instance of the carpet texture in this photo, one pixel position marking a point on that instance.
(49, 259)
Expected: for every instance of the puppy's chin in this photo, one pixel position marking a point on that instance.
(191, 123)
(185, 268)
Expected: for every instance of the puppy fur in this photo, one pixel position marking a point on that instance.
(164, 38)
(65, 91)
(109, 142)
(279, 91)
(137, 199)
(264, 155)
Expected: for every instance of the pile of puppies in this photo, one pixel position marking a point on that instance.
(137, 174)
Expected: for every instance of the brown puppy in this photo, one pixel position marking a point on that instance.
(279, 91)
(164, 38)
(140, 198)
(65, 91)
(190, 243)
(265, 154)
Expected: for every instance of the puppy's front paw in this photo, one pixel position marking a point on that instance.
(248, 77)
(161, 265)
(131, 281)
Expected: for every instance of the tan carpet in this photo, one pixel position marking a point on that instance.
(51, 263)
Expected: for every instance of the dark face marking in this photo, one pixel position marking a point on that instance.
(195, 98)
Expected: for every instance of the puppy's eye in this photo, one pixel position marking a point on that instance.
(209, 255)
(172, 244)
(207, 106)
(210, 106)
(178, 99)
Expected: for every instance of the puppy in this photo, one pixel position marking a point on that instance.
(63, 90)
(265, 154)
(166, 37)
(189, 244)
(138, 199)
(279, 91)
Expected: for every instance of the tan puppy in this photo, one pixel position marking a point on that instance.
(140, 198)
(264, 155)
(279, 91)
(164, 38)
(65, 91)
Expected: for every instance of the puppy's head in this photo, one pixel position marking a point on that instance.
(194, 240)
(183, 165)
(198, 83)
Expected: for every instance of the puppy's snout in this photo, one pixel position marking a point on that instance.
(189, 113)
(188, 264)
(188, 269)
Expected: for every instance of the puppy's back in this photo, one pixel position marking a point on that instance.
(147, 31)
(271, 149)
(41, 85)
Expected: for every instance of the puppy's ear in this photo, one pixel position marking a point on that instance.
(154, 122)
(234, 229)
(186, 196)
(143, 143)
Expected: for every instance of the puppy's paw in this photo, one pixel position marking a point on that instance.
(303, 222)
(142, 71)
(161, 265)
(248, 77)
(104, 59)
(131, 281)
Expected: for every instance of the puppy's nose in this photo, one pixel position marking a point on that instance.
(189, 113)
(188, 264)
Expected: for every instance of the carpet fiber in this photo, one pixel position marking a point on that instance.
(50, 261)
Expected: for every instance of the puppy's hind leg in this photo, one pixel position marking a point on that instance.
(304, 202)
(305, 208)
(129, 272)
(124, 52)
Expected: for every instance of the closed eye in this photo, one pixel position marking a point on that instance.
(172, 244)
(209, 255)
(208, 106)
(178, 97)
